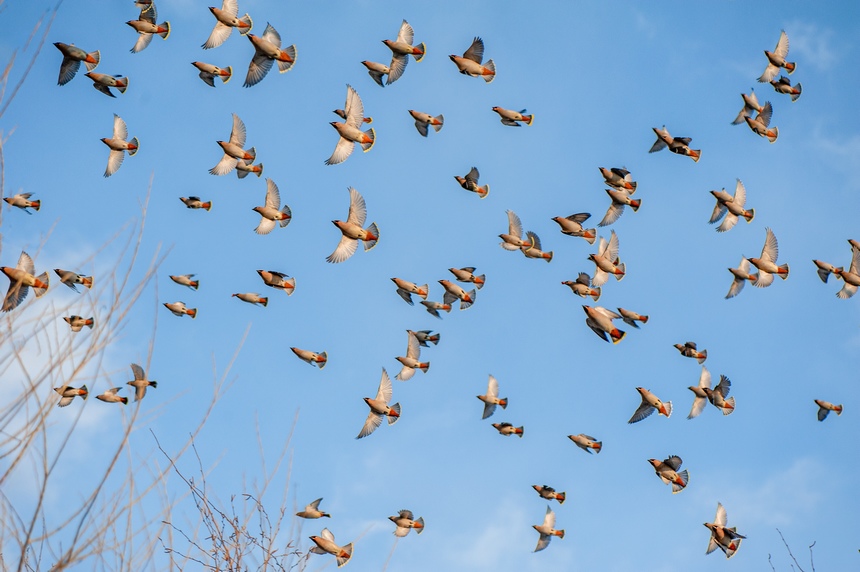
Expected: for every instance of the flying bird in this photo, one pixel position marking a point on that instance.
(401, 49)
(750, 104)
(227, 19)
(434, 307)
(233, 149)
(690, 350)
(209, 72)
(741, 276)
(776, 60)
(376, 70)
(677, 145)
(513, 239)
(572, 226)
(68, 394)
(606, 261)
(21, 279)
(650, 404)
(548, 493)
(325, 545)
(701, 397)
(72, 58)
(513, 118)
(719, 395)
(731, 207)
(547, 530)
(350, 130)
(491, 398)
(186, 280)
(313, 511)
(23, 202)
(619, 178)
(467, 275)
(406, 521)
(470, 183)
(270, 213)
(667, 470)
(70, 279)
(179, 309)
(425, 336)
(119, 145)
(278, 280)
(243, 169)
(582, 287)
(470, 63)
(620, 199)
(411, 361)
(147, 28)
(252, 298)
(783, 85)
(103, 82)
(196, 203)
(352, 230)
(631, 317)
(507, 429)
(267, 50)
(850, 277)
(379, 407)
(423, 120)
(586, 442)
(766, 264)
(454, 292)
(110, 396)
(533, 249)
(313, 358)
(599, 319)
(405, 289)
(726, 539)
(825, 407)
(140, 382)
(760, 124)
(77, 323)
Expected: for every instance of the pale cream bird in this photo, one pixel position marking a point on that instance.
(582, 287)
(731, 207)
(111, 396)
(68, 394)
(352, 230)
(619, 178)
(667, 470)
(179, 309)
(513, 118)
(689, 349)
(776, 60)
(243, 169)
(599, 319)
(21, 279)
(379, 407)
(434, 307)
(650, 404)
(851, 277)
(467, 275)
(119, 144)
(313, 511)
(406, 521)
(514, 238)
(426, 337)
(491, 398)
(103, 82)
(719, 395)
(760, 124)
(751, 105)
(23, 202)
(77, 323)
(227, 18)
(270, 214)
(267, 50)
(278, 280)
(701, 397)
(325, 544)
(313, 358)
(586, 442)
(470, 183)
(425, 120)
(405, 289)
(825, 407)
(350, 130)
(196, 203)
(186, 280)
(677, 145)
(411, 361)
(825, 269)
(209, 72)
(606, 261)
(233, 149)
(140, 382)
(766, 264)
(376, 70)
(783, 85)
(147, 28)
(631, 317)
(547, 530)
(72, 58)
(401, 49)
(470, 63)
(620, 199)
(252, 298)
(726, 539)
(548, 493)
(454, 292)
(534, 248)
(70, 279)
(508, 429)
(572, 226)
(741, 275)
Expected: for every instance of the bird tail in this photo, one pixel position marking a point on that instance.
(547, 256)
(503, 403)
(228, 76)
(472, 295)
(772, 134)
(284, 67)
(783, 271)
(749, 215)
(292, 286)
(590, 234)
(253, 155)
(685, 477)
(424, 366)
(191, 312)
(132, 152)
(643, 319)
(392, 419)
(520, 431)
(438, 126)
(194, 284)
(423, 49)
(623, 268)
(85, 391)
(369, 145)
(838, 410)
(483, 191)
(264, 301)
(418, 525)
(790, 67)
(153, 384)
(344, 555)
(595, 294)
(36, 205)
(41, 279)
(374, 231)
(696, 154)
(560, 533)
(123, 400)
(617, 335)
(207, 205)
(122, 84)
(635, 203)
(529, 118)
(425, 289)
(795, 95)
(482, 279)
(491, 68)
(598, 446)
(324, 356)
(560, 497)
(731, 406)
(95, 57)
(246, 20)
(90, 323)
(289, 214)
(87, 281)
(703, 355)
(166, 32)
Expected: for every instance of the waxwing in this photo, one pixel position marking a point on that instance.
(586, 443)
(701, 397)
(209, 72)
(741, 276)
(606, 261)
(110, 396)
(70, 279)
(434, 307)
(825, 407)
(619, 178)
(423, 120)
(620, 199)
(145, 26)
(72, 58)
(677, 145)
(599, 319)
(467, 274)
(471, 62)
(401, 49)
(226, 19)
(325, 545)
(67, 394)
(425, 336)
(23, 202)
(379, 407)
(405, 289)
(376, 70)
(783, 85)
(243, 168)
(766, 264)
(572, 226)
(470, 183)
(350, 130)
(313, 358)
(140, 382)
(352, 230)
(513, 239)
(118, 145)
(726, 539)
(454, 292)
(533, 248)
(650, 404)
(547, 530)
(186, 280)
(776, 60)
(731, 207)
(196, 203)
(270, 213)
(21, 279)
(690, 350)
(252, 298)
(719, 395)
(631, 317)
(267, 50)
(760, 124)
(313, 511)
(750, 104)
(103, 82)
(77, 323)
(507, 429)
(405, 521)
(411, 360)
(233, 149)
(548, 493)
(491, 399)
(667, 470)
(582, 287)
(278, 280)
(179, 309)
(513, 118)
(851, 277)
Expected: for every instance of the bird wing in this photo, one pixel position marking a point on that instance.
(782, 45)
(345, 248)
(343, 150)
(120, 130)
(114, 162)
(413, 348)
(611, 252)
(724, 386)
(720, 519)
(740, 197)
(397, 67)
(489, 409)
(265, 226)
(225, 165)
(143, 40)
(475, 51)
(137, 372)
(257, 69)
(273, 196)
(643, 411)
(534, 241)
(473, 175)
(271, 35)
(613, 213)
(354, 108)
(543, 542)
(855, 261)
(719, 210)
(68, 69)
(357, 208)
(770, 252)
(385, 390)
(371, 424)
(596, 329)
(698, 406)
(219, 34)
(406, 34)
(326, 533)
(26, 264)
(421, 127)
(232, 7)
(238, 133)
(674, 461)
(515, 227)
(139, 391)
(492, 387)
(406, 295)
(705, 378)
(763, 280)
(406, 373)
(549, 518)
(728, 223)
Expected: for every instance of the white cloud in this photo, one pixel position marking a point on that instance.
(811, 45)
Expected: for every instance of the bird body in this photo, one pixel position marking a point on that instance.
(760, 124)
(313, 358)
(572, 226)
(406, 521)
(470, 183)
(179, 309)
(825, 407)
(470, 63)
(650, 404)
(619, 178)
(23, 202)
(547, 530)
(726, 539)
(353, 231)
(405, 289)
(267, 50)
(118, 145)
(252, 298)
(731, 207)
(586, 442)
(467, 275)
(72, 58)
(186, 280)
(783, 85)
(140, 382)
(690, 350)
(677, 145)
(234, 149)
(21, 279)
(68, 394)
(146, 26)
(491, 398)
(77, 323)
(548, 493)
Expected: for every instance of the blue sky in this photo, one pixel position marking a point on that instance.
(597, 77)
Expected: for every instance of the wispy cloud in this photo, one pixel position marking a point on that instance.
(812, 44)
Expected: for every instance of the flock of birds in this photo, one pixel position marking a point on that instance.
(728, 210)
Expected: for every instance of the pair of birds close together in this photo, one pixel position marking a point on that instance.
(140, 383)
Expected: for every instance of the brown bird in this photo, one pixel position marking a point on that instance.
(470, 183)
(470, 63)
(689, 350)
(278, 280)
(140, 382)
(267, 50)
(68, 394)
(548, 493)
(507, 429)
(21, 279)
(352, 230)
(401, 49)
